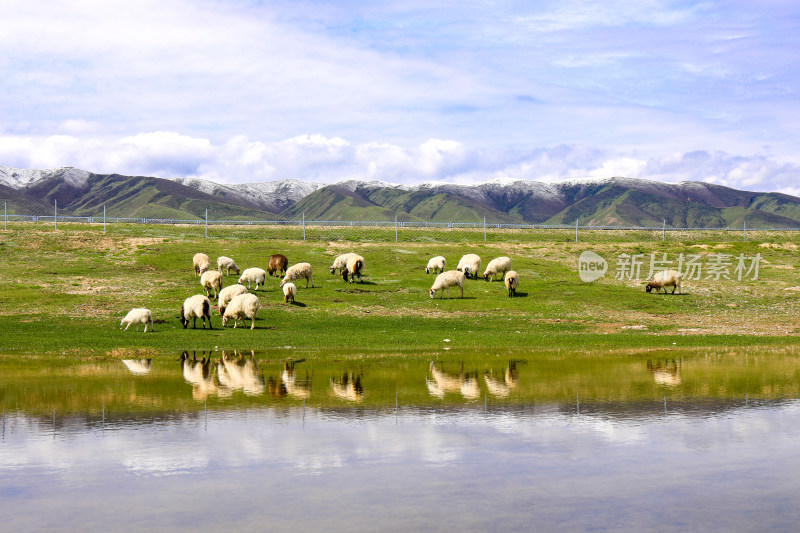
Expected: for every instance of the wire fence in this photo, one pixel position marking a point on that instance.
(303, 229)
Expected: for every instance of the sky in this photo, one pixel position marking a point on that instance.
(406, 91)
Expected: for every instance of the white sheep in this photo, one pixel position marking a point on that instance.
(511, 281)
(355, 264)
(340, 263)
(495, 266)
(195, 307)
(469, 264)
(253, 275)
(138, 316)
(289, 292)
(241, 307)
(211, 282)
(228, 264)
(663, 279)
(201, 263)
(448, 279)
(227, 294)
(298, 271)
(436, 263)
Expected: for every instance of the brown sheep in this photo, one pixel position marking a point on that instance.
(278, 263)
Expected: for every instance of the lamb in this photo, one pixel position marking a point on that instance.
(195, 307)
(228, 264)
(355, 264)
(300, 270)
(436, 263)
(340, 263)
(511, 281)
(201, 263)
(241, 307)
(138, 316)
(448, 279)
(277, 264)
(665, 278)
(253, 275)
(289, 292)
(211, 282)
(227, 294)
(469, 264)
(495, 266)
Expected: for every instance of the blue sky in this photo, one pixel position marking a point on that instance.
(405, 92)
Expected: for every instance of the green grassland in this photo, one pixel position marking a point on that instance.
(66, 290)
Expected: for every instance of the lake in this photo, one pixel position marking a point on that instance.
(202, 441)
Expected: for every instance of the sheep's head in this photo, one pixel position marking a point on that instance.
(236, 269)
(222, 311)
(486, 276)
(225, 320)
(333, 270)
(432, 293)
(648, 287)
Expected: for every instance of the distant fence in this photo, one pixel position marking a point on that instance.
(394, 230)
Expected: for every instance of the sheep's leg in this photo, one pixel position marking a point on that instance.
(253, 323)
(126, 327)
(460, 291)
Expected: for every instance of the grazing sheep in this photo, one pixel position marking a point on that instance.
(355, 264)
(469, 264)
(211, 282)
(227, 294)
(495, 266)
(201, 263)
(340, 263)
(436, 263)
(448, 279)
(253, 275)
(511, 281)
(663, 279)
(138, 316)
(195, 307)
(241, 307)
(228, 264)
(300, 270)
(289, 292)
(277, 264)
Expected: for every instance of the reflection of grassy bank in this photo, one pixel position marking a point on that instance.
(46, 383)
(66, 291)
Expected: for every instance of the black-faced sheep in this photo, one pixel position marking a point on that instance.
(445, 280)
(138, 316)
(469, 264)
(511, 281)
(277, 265)
(663, 279)
(298, 271)
(436, 264)
(194, 307)
(496, 266)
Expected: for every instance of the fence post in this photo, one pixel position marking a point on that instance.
(744, 228)
(395, 227)
(104, 218)
(576, 230)
(206, 223)
(55, 214)
(484, 229)
(664, 231)
(5, 217)
(304, 225)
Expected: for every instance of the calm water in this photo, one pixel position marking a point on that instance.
(662, 442)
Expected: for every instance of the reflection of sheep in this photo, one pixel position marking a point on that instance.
(241, 307)
(663, 279)
(227, 294)
(445, 280)
(211, 282)
(668, 374)
(469, 264)
(289, 292)
(195, 307)
(495, 266)
(511, 281)
(198, 374)
(348, 388)
(201, 263)
(355, 264)
(298, 271)
(340, 262)
(299, 388)
(228, 264)
(240, 373)
(277, 264)
(138, 316)
(138, 367)
(443, 382)
(253, 275)
(436, 264)
(502, 388)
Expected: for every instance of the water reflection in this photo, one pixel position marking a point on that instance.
(665, 372)
(501, 388)
(289, 383)
(348, 387)
(200, 374)
(464, 383)
(240, 372)
(138, 367)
